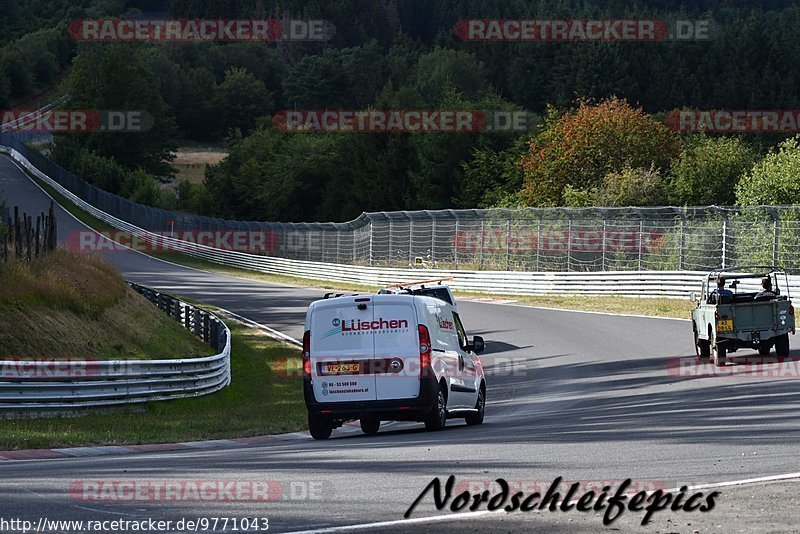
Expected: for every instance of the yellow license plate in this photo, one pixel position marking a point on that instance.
(341, 368)
(725, 325)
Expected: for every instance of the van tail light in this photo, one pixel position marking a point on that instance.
(307, 354)
(716, 315)
(791, 311)
(424, 350)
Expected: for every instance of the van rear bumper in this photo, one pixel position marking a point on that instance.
(393, 409)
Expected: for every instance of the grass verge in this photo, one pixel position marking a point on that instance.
(653, 307)
(71, 305)
(260, 400)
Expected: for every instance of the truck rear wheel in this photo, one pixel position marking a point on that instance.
(764, 347)
(702, 348)
(782, 346)
(719, 355)
(320, 428)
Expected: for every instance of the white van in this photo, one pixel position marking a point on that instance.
(399, 355)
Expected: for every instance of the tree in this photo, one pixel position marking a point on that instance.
(116, 77)
(241, 99)
(580, 147)
(708, 170)
(775, 179)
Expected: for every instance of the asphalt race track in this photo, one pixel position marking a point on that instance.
(588, 397)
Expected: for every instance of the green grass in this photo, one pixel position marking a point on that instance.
(261, 400)
(76, 306)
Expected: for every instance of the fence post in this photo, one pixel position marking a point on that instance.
(776, 218)
(371, 235)
(538, 238)
(569, 241)
(338, 243)
(682, 245)
(455, 240)
(641, 231)
(410, 238)
(480, 259)
(433, 238)
(391, 247)
(508, 244)
(724, 239)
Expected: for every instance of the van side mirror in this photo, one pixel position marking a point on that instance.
(478, 345)
(693, 297)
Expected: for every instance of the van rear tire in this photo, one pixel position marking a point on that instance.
(480, 405)
(437, 417)
(370, 425)
(319, 427)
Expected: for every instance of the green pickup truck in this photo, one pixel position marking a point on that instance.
(743, 307)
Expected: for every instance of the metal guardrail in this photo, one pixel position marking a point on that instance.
(634, 283)
(41, 387)
(524, 239)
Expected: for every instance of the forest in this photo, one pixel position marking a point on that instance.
(601, 134)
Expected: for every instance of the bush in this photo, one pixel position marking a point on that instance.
(632, 187)
(709, 169)
(579, 148)
(775, 179)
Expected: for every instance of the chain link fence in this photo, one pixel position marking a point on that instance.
(530, 239)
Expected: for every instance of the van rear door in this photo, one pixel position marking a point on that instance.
(396, 347)
(342, 350)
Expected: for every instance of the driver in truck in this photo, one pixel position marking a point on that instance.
(718, 295)
(766, 289)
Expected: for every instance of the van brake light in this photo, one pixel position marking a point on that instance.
(424, 349)
(307, 353)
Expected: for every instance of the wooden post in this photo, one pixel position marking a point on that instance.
(36, 236)
(28, 232)
(17, 234)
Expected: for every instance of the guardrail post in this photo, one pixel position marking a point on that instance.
(177, 307)
(206, 328)
(196, 325)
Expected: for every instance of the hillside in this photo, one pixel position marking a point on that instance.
(69, 305)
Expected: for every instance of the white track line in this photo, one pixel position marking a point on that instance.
(484, 513)
(269, 331)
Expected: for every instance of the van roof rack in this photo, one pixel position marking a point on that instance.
(419, 282)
